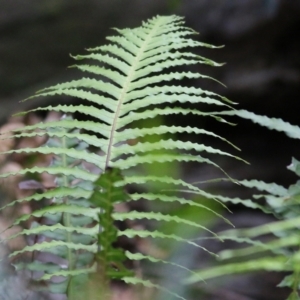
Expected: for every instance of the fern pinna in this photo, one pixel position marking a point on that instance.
(130, 81)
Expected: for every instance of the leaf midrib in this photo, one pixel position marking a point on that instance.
(124, 92)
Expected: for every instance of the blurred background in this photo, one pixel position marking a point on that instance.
(262, 70)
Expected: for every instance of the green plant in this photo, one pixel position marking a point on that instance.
(133, 82)
(272, 246)
(129, 86)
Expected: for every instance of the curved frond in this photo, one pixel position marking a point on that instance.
(278, 263)
(290, 130)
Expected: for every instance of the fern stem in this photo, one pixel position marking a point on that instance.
(67, 222)
(295, 293)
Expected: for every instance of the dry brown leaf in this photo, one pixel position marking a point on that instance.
(32, 119)
(6, 142)
(13, 244)
(8, 184)
(52, 116)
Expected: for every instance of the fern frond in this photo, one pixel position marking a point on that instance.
(63, 208)
(131, 233)
(167, 145)
(207, 96)
(246, 202)
(133, 133)
(55, 247)
(139, 256)
(273, 227)
(174, 199)
(64, 124)
(290, 130)
(78, 173)
(135, 215)
(72, 273)
(275, 246)
(131, 64)
(278, 263)
(295, 166)
(271, 188)
(79, 155)
(280, 252)
(127, 83)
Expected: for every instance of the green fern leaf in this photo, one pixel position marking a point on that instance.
(139, 256)
(128, 82)
(135, 215)
(272, 227)
(291, 131)
(273, 246)
(55, 247)
(173, 199)
(80, 155)
(278, 263)
(271, 188)
(131, 233)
